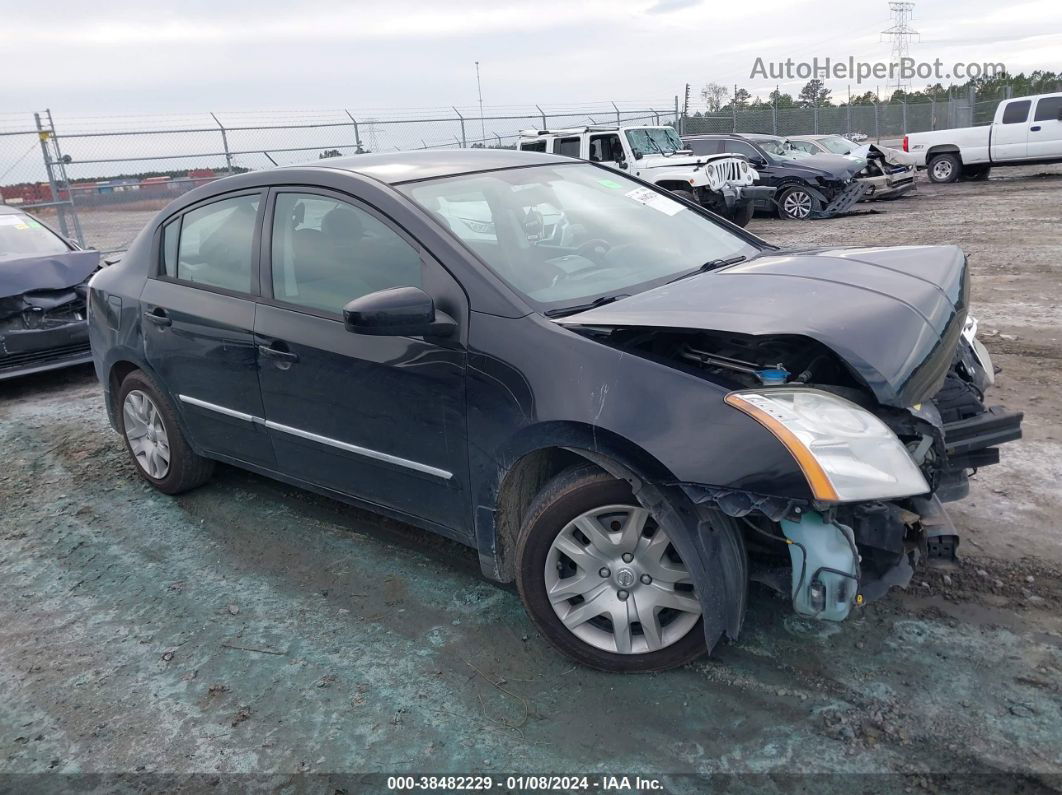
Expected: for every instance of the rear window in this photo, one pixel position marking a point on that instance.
(22, 235)
(569, 147)
(709, 146)
(1047, 108)
(532, 146)
(1016, 112)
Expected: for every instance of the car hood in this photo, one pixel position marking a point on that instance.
(55, 272)
(677, 161)
(830, 166)
(893, 315)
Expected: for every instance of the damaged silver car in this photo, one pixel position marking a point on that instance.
(887, 173)
(43, 287)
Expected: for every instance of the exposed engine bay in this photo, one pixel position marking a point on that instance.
(846, 554)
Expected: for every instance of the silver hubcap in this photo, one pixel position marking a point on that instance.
(942, 169)
(146, 434)
(616, 582)
(797, 204)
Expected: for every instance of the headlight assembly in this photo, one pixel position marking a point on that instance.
(846, 453)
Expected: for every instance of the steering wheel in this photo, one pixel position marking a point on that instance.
(594, 248)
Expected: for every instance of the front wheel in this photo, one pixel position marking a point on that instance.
(795, 204)
(741, 215)
(602, 580)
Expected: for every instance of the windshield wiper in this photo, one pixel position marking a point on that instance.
(571, 310)
(711, 265)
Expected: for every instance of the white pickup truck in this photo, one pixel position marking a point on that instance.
(1025, 131)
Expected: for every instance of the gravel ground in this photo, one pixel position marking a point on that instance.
(251, 627)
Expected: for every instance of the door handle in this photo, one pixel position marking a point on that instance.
(159, 318)
(283, 358)
(1035, 129)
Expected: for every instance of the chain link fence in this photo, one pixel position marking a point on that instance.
(99, 179)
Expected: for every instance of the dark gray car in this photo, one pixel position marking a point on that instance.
(625, 405)
(43, 286)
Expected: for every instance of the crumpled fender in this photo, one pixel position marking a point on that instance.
(708, 541)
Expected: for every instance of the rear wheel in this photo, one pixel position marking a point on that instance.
(148, 423)
(795, 203)
(943, 168)
(601, 579)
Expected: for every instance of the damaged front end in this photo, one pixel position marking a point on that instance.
(885, 422)
(884, 176)
(43, 322)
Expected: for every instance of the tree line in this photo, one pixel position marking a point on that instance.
(718, 98)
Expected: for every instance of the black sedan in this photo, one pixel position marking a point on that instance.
(43, 287)
(806, 186)
(626, 405)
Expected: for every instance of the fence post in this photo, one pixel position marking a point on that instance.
(224, 143)
(357, 135)
(499, 139)
(815, 116)
(679, 121)
(848, 114)
(877, 122)
(932, 114)
(618, 122)
(656, 118)
(904, 106)
(542, 113)
(774, 119)
(53, 186)
(464, 144)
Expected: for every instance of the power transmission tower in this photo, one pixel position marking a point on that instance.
(900, 34)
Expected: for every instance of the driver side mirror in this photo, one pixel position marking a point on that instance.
(758, 162)
(397, 312)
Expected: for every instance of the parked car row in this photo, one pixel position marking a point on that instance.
(735, 175)
(627, 406)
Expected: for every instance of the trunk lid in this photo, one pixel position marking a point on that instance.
(893, 315)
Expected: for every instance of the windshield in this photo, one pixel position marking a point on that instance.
(838, 145)
(567, 234)
(779, 147)
(23, 236)
(654, 140)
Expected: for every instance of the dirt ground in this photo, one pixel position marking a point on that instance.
(251, 627)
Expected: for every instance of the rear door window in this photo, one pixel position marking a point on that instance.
(1047, 109)
(569, 147)
(216, 244)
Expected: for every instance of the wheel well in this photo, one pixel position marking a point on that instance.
(522, 483)
(119, 370)
(944, 149)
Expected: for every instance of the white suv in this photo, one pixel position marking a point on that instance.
(724, 183)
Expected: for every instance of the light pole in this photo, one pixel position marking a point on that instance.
(479, 90)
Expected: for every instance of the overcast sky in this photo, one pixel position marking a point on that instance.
(117, 56)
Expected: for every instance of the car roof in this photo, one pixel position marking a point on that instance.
(394, 168)
(7, 209)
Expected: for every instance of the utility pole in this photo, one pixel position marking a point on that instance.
(686, 102)
(479, 90)
(900, 34)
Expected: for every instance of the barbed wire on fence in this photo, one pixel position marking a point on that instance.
(103, 175)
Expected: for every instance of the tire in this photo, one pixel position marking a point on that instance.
(743, 214)
(976, 173)
(795, 203)
(943, 169)
(593, 641)
(143, 406)
(685, 194)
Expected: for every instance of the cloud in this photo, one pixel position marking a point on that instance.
(667, 6)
